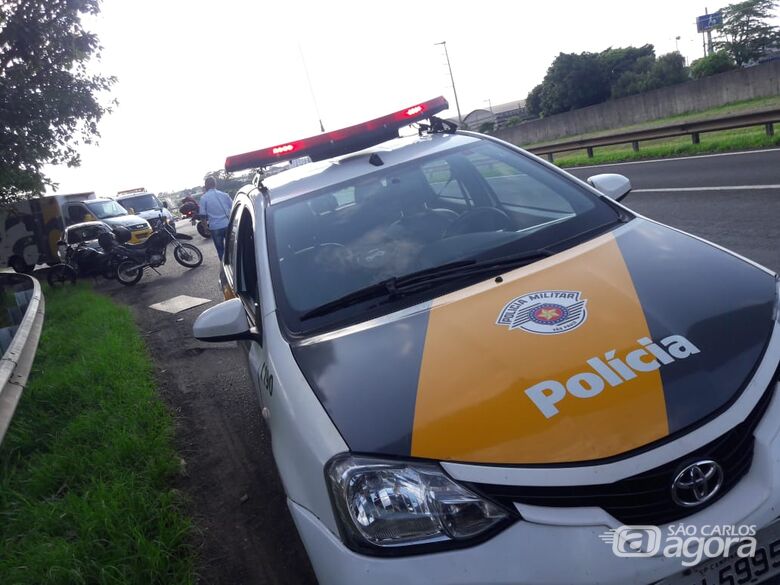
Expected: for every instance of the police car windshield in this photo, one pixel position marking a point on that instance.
(139, 203)
(474, 202)
(105, 209)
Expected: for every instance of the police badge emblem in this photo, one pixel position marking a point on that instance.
(545, 312)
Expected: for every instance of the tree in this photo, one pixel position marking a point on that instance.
(618, 62)
(718, 62)
(49, 100)
(573, 81)
(533, 103)
(746, 33)
(667, 70)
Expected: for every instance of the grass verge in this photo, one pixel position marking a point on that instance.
(711, 142)
(734, 108)
(85, 468)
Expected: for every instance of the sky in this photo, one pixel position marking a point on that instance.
(200, 80)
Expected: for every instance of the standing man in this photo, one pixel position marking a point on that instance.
(215, 205)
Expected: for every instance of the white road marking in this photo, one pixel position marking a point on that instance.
(672, 159)
(718, 188)
(179, 304)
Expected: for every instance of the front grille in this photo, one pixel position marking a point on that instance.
(646, 498)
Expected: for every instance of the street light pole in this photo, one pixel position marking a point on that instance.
(452, 79)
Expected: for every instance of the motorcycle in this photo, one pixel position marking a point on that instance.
(83, 258)
(203, 227)
(151, 253)
(191, 209)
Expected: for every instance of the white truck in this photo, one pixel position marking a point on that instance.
(30, 229)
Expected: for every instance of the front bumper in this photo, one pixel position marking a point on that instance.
(547, 551)
(140, 235)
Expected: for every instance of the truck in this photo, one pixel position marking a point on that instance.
(145, 204)
(31, 228)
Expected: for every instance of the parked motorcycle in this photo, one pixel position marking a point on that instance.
(87, 249)
(152, 253)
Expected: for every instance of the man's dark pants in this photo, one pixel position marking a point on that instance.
(219, 241)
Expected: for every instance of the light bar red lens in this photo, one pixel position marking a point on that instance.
(338, 142)
(282, 149)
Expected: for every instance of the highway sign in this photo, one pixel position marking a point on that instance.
(709, 21)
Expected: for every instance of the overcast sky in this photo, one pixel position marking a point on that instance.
(200, 80)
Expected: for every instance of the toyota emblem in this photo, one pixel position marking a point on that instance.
(697, 483)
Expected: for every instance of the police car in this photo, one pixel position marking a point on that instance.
(475, 366)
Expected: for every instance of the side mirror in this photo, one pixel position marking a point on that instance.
(165, 204)
(613, 186)
(225, 322)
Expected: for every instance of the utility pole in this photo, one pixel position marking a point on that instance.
(311, 88)
(490, 105)
(452, 79)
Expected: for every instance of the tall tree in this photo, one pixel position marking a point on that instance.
(49, 97)
(573, 81)
(621, 60)
(747, 34)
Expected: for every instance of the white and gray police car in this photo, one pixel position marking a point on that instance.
(477, 368)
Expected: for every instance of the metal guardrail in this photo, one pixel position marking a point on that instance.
(767, 118)
(17, 360)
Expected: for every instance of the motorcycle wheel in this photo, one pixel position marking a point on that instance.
(128, 272)
(203, 230)
(188, 255)
(60, 275)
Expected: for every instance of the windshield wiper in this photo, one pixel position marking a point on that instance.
(399, 286)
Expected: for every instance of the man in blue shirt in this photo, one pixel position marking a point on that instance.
(216, 206)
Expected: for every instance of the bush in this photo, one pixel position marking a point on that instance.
(718, 62)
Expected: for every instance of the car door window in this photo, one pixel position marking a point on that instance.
(245, 268)
(231, 238)
(76, 214)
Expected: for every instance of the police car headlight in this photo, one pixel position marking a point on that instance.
(392, 507)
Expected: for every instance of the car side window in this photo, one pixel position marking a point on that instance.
(231, 237)
(245, 268)
(76, 213)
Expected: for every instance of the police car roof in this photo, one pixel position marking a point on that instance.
(319, 175)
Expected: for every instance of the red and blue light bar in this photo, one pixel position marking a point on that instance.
(338, 142)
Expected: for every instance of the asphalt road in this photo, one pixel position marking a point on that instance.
(245, 532)
(730, 199)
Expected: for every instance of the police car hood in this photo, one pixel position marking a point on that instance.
(602, 349)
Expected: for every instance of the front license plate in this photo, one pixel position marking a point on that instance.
(763, 567)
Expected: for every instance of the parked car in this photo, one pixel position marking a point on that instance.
(84, 250)
(147, 206)
(474, 366)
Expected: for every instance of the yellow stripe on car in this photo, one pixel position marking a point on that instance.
(472, 400)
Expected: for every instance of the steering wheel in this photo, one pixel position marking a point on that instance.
(479, 219)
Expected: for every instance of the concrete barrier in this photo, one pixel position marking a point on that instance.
(716, 90)
(21, 317)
